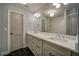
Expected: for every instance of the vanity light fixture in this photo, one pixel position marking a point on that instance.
(51, 14)
(23, 3)
(65, 3)
(54, 4)
(37, 15)
(57, 5)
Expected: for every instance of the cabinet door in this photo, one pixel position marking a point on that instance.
(39, 47)
(29, 41)
(38, 43)
(46, 50)
(38, 51)
(26, 39)
(33, 40)
(55, 53)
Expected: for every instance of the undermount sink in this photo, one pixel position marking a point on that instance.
(57, 39)
(51, 38)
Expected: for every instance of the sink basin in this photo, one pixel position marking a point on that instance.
(57, 39)
(52, 38)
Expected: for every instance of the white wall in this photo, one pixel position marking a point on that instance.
(58, 25)
(3, 29)
(0, 25)
(4, 19)
(28, 16)
(28, 22)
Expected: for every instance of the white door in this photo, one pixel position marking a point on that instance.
(16, 25)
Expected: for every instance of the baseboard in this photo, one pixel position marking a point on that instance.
(4, 53)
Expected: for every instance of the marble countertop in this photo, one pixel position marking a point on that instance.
(65, 42)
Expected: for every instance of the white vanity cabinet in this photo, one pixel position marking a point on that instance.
(35, 44)
(30, 42)
(41, 47)
(50, 49)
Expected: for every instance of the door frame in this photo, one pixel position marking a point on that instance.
(9, 38)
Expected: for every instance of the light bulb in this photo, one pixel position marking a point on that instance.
(54, 4)
(65, 3)
(51, 14)
(58, 5)
(23, 3)
(37, 15)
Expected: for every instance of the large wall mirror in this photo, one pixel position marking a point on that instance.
(58, 20)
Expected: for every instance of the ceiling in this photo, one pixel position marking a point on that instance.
(45, 7)
(33, 7)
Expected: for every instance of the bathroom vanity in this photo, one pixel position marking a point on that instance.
(49, 44)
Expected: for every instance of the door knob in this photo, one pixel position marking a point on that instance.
(11, 33)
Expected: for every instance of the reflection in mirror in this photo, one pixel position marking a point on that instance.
(43, 25)
(63, 21)
(71, 21)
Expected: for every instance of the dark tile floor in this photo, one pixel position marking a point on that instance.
(21, 52)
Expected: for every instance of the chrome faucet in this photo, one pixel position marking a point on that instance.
(59, 36)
